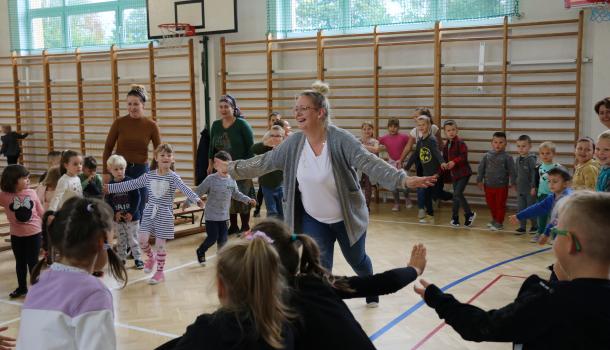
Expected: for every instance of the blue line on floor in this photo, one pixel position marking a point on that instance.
(414, 308)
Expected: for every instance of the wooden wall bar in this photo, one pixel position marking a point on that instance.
(512, 93)
(69, 101)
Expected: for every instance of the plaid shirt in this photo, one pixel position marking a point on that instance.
(456, 150)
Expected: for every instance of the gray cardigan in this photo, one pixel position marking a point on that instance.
(346, 154)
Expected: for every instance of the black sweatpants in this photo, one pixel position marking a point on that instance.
(26, 251)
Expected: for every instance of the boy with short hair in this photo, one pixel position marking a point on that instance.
(559, 182)
(496, 172)
(525, 167)
(455, 154)
(91, 181)
(126, 214)
(220, 188)
(546, 152)
(571, 313)
(394, 142)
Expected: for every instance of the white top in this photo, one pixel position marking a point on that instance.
(67, 187)
(415, 133)
(317, 185)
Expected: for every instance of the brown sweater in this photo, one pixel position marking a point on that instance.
(131, 136)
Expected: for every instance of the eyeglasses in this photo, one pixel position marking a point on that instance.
(559, 232)
(301, 109)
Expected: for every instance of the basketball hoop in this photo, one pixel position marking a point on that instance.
(175, 33)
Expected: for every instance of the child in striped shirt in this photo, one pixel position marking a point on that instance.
(158, 216)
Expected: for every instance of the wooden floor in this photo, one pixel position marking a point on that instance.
(147, 316)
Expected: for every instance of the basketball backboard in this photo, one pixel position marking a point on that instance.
(207, 16)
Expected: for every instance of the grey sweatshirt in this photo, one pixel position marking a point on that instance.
(496, 169)
(525, 167)
(347, 154)
(220, 190)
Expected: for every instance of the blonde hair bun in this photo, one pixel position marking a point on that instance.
(320, 87)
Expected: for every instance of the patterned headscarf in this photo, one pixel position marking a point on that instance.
(233, 103)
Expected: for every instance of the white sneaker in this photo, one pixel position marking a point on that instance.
(421, 214)
(409, 205)
(372, 305)
(396, 207)
(535, 238)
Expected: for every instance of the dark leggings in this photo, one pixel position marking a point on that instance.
(26, 251)
(458, 197)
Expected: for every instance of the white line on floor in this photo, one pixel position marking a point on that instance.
(146, 330)
(146, 278)
(436, 225)
(2, 324)
(11, 302)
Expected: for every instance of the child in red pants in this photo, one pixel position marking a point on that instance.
(496, 172)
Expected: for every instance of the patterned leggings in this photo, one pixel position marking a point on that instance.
(160, 255)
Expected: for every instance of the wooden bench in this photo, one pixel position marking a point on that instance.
(189, 214)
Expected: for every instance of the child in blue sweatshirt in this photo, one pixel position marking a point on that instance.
(559, 183)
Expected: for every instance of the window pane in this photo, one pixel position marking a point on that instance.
(47, 33)
(42, 4)
(315, 14)
(134, 26)
(84, 2)
(92, 29)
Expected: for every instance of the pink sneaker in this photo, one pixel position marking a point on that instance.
(157, 278)
(149, 265)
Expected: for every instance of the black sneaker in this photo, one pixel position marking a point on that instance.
(534, 230)
(470, 219)
(18, 293)
(139, 264)
(257, 213)
(372, 302)
(233, 230)
(520, 231)
(455, 222)
(200, 258)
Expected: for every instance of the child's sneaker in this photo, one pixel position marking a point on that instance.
(496, 227)
(200, 258)
(535, 238)
(421, 214)
(455, 222)
(139, 264)
(408, 203)
(470, 219)
(491, 224)
(149, 265)
(428, 219)
(157, 278)
(18, 293)
(520, 231)
(396, 207)
(533, 230)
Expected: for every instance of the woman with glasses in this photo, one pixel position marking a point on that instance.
(322, 194)
(233, 134)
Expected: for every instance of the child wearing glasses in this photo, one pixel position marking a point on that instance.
(571, 313)
(559, 180)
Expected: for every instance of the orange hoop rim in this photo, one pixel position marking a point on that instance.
(186, 29)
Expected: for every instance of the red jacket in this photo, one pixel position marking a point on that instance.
(456, 150)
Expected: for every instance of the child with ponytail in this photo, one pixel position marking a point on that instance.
(67, 308)
(325, 321)
(252, 313)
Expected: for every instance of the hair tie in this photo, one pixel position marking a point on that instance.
(250, 236)
(293, 237)
(90, 207)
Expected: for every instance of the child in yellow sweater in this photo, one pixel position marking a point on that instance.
(587, 168)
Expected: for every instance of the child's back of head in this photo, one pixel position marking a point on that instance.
(251, 284)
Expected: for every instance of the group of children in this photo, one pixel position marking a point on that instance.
(496, 174)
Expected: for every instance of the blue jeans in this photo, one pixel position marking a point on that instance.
(134, 171)
(216, 233)
(326, 235)
(273, 201)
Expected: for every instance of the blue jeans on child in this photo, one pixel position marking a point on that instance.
(216, 233)
(134, 171)
(273, 201)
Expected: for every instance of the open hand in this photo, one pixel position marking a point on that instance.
(6, 343)
(201, 203)
(513, 219)
(418, 258)
(421, 290)
(252, 202)
(420, 181)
